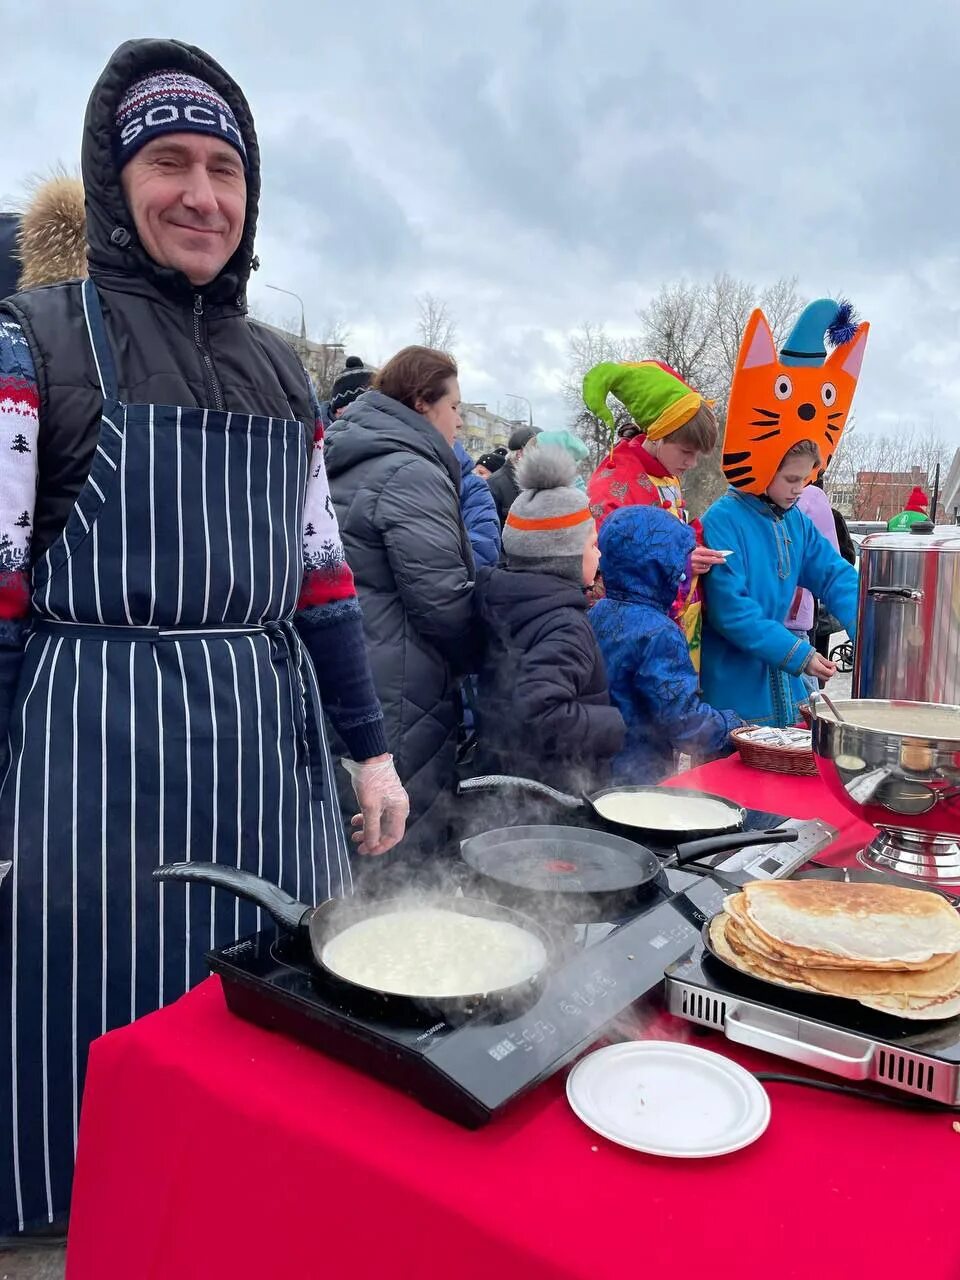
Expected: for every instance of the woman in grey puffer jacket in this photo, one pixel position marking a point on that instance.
(395, 482)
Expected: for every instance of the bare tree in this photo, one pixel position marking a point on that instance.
(678, 327)
(322, 357)
(871, 474)
(697, 329)
(436, 326)
(587, 346)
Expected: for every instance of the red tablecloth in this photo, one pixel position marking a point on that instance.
(796, 797)
(212, 1149)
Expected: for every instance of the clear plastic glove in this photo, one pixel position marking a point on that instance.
(384, 804)
(702, 559)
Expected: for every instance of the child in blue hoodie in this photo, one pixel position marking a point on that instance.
(749, 656)
(644, 552)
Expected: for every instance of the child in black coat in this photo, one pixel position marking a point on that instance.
(544, 704)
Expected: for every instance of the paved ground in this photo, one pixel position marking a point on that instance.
(32, 1264)
(839, 686)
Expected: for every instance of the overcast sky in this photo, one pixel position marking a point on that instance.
(538, 163)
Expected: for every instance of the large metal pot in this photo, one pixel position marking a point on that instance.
(908, 628)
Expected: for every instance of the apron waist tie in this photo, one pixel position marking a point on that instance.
(130, 634)
(285, 647)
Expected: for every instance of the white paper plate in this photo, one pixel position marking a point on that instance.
(668, 1099)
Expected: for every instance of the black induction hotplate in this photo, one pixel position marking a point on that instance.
(470, 1071)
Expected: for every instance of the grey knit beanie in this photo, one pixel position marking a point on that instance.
(550, 521)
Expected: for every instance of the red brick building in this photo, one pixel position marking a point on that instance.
(880, 495)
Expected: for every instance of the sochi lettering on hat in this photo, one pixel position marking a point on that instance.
(171, 102)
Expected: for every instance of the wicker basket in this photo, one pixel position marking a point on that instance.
(759, 755)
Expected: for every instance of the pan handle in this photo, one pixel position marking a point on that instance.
(503, 782)
(690, 850)
(285, 910)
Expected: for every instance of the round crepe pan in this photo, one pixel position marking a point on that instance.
(586, 869)
(316, 926)
(504, 783)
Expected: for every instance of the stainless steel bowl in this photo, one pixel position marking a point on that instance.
(903, 782)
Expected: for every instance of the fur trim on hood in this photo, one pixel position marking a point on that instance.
(52, 244)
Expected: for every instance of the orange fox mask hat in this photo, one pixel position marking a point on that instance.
(800, 394)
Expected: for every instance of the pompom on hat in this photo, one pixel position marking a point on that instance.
(549, 523)
(822, 319)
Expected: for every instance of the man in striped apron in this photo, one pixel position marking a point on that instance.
(174, 607)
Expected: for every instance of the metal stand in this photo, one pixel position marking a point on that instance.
(930, 858)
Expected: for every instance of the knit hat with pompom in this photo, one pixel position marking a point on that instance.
(351, 383)
(550, 521)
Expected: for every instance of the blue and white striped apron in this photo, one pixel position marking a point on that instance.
(166, 710)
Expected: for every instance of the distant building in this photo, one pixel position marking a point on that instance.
(951, 492)
(483, 430)
(842, 496)
(880, 495)
(322, 360)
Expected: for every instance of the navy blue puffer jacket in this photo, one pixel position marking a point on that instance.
(479, 511)
(644, 553)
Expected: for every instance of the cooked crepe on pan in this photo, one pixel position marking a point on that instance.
(754, 965)
(947, 1007)
(775, 949)
(898, 983)
(925, 984)
(867, 925)
(861, 921)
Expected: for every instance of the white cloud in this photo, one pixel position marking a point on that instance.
(537, 164)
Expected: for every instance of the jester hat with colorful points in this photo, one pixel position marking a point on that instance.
(656, 397)
(801, 394)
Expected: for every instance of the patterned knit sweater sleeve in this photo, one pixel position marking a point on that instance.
(329, 621)
(19, 401)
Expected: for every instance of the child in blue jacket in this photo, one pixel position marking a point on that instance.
(644, 553)
(750, 658)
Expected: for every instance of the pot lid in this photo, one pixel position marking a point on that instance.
(944, 538)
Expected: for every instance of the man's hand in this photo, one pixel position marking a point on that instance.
(820, 667)
(702, 559)
(384, 804)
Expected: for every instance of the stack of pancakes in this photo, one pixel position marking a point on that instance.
(892, 949)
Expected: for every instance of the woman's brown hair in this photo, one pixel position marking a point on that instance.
(416, 373)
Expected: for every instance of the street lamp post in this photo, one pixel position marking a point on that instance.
(513, 396)
(303, 315)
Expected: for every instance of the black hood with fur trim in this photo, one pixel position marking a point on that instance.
(116, 257)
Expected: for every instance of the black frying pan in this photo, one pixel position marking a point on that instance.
(540, 863)
(316, 926)
(503, 783)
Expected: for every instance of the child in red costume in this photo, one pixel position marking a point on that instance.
(678, 426)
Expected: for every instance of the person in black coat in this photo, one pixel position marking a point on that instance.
(503, 484)
(395, 484)
(544, 705)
